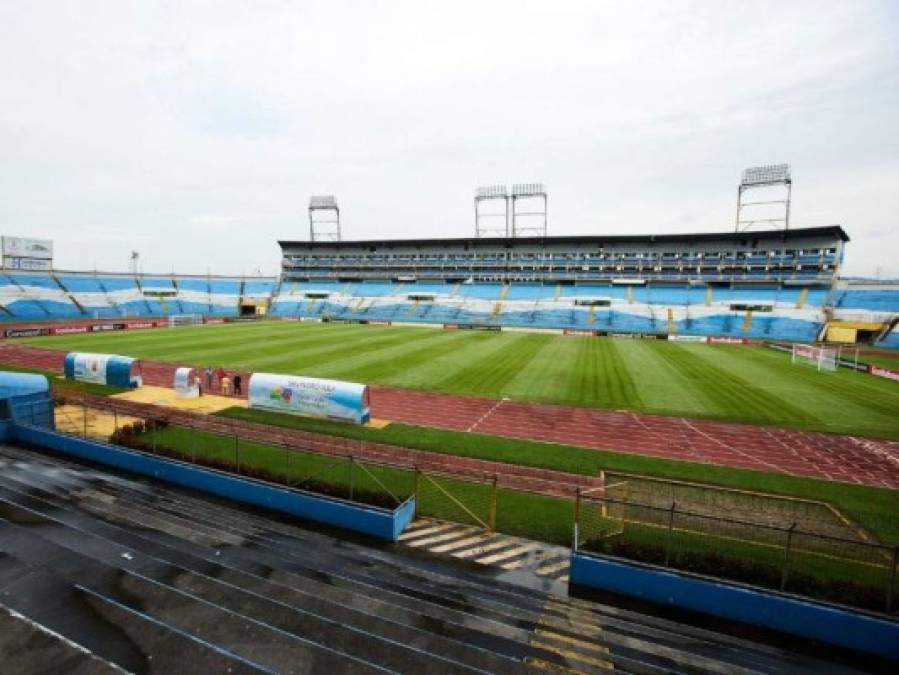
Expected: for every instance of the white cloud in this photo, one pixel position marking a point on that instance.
(196, 131)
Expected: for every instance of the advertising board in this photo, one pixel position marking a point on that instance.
(26, 247)
(309, 396)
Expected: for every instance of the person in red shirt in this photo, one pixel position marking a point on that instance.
(219, 374)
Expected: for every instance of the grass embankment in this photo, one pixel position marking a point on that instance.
(735, 383)
(533, 516)
(876, 509)
(547, 519)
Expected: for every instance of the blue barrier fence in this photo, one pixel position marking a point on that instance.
(381, 523)
(835, 625)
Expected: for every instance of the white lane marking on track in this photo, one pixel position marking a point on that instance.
(487, 414)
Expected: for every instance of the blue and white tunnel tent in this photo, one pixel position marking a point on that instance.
(111, 369)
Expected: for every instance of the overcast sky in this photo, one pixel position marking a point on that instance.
(195, 132)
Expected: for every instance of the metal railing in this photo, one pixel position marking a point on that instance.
(854, 571)
(700, 536)
(335, 469)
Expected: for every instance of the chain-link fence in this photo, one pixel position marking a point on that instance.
(792, 559)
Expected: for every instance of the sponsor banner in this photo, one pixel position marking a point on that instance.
(24, 247)
(69, 330)
(728, 341)
(102, 327)
(379, 323)
(578, 331)
(91, 367)
(25, 332)
(525, 329)
(687, 338)
(626, 336)
(290, 318)
(213, 321)
(888, 373)
(30, 264)
(650, 336)
(309, 396)
(477, 326)
(310, 319)
(451, 326)
(140, 324)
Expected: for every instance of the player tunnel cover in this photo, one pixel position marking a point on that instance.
(111, 369)
(311, 396)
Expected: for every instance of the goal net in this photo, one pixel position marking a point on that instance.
(823, 358)
(184, 320)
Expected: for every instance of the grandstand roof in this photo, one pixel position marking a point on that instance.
(829, 231)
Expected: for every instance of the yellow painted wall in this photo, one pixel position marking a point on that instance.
(843, 335)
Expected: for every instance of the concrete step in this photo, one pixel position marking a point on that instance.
(251, 565)
(271, 604)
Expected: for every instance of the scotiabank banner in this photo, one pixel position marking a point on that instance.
(728, 341)
(578, 331)
(884, 372)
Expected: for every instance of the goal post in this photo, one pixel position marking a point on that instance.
(185, 320)
(823, 358)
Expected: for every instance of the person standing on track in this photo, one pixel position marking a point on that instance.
(209, 378)
(237, 380)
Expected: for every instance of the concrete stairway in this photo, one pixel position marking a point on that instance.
(148, 578)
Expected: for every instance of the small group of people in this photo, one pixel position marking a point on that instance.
(227, 385)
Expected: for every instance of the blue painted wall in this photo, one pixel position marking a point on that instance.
(853, 630)
(378, 523)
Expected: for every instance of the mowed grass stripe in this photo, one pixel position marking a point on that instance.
(727, 394)
(489, 374)
(425, 373)
(658, 383)
(211, 350)
(150, 343)
(380, 364)
(270, 354)
(547, 377)
(842, 399)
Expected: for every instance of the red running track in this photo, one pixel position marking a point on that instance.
(837, 457)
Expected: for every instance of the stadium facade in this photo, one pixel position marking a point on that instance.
(780, 285)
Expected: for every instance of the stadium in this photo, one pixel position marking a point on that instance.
(721, 405)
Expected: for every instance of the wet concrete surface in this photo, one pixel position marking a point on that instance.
(149, 578)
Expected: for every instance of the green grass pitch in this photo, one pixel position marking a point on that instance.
(739, 383)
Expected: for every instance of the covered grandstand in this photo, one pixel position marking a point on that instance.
(781, 285)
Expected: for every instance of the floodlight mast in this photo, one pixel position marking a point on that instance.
(770, 175)
(488, 224)
(529, 191)
(324, 218)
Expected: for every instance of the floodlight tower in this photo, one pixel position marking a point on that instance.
(488, 224)
(529, 191)
(771, 175)
(324, 218)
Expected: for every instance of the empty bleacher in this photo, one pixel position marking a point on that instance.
(790, 311)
